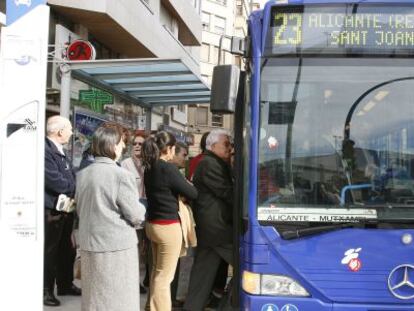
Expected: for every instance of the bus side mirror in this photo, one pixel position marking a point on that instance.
(224, 89)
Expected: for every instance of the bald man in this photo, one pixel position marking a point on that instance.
(59, 253)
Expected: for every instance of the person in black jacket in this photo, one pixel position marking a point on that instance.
(59, 251)
(213, 216)
(163, 185)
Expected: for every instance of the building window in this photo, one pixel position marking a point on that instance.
(202, 116)
(168, 20)
(205, 52)
(214, 56)
(217, 120)
(205, 20)
(220, 25)
(239, 10)
(222, 2)
(238, 61)
(102, 51)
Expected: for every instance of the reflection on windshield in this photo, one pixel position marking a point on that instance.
(337, 132)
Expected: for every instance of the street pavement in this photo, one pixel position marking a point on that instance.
(72, 303)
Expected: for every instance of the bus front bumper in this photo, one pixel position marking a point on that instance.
(269, 303)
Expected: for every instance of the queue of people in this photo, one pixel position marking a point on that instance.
(132, 210)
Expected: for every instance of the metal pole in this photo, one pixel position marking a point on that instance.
(65, 90)
(148, 120)
(219, 49)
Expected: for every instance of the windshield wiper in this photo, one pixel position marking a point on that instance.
(295, 234)
(361, 223)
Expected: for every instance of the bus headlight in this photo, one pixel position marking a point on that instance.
(278, 285)
(272, 285)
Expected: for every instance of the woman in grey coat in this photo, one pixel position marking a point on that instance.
(109, 211)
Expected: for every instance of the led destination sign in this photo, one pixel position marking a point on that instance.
(341, 29)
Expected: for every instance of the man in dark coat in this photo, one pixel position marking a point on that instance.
(213, 211)
(59, 251)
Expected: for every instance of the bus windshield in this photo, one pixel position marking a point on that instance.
(337, 132)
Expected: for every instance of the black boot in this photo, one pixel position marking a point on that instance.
(49, 298)
(72, 290)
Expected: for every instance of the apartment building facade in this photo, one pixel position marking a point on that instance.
(221, 19)
(125, 29)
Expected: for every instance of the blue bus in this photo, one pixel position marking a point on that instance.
(324, 142)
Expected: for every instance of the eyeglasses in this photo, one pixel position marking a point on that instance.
(226, 144)
(135, 143)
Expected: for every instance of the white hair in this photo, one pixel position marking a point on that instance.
(55, 124)
(214, 137)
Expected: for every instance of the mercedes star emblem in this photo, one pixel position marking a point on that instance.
(401, 281)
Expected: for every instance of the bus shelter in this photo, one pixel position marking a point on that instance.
(144, 82)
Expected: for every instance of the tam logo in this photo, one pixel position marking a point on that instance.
(30, 125)
(23, 2)
(351, 259)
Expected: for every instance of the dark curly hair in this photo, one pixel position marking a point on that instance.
(153, 147)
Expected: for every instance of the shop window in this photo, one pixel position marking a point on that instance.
(202, 116)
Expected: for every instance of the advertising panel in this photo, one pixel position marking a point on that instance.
(23, 64)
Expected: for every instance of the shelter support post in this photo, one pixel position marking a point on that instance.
(65, 90)
(148, 120)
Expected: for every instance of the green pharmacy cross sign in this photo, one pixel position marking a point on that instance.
(96, 99)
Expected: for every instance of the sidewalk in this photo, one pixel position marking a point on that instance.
(72, 303)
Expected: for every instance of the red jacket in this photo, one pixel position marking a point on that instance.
(193, 165)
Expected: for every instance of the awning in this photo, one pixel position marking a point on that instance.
(145, 82)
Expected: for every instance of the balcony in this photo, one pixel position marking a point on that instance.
(131, 28)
